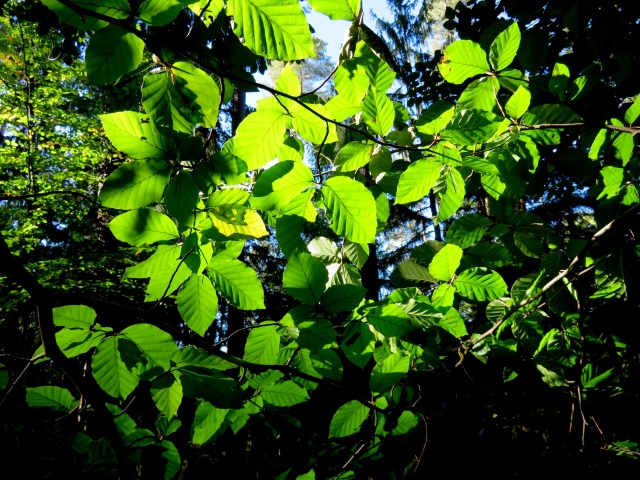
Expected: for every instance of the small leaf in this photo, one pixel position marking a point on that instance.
(519, 102)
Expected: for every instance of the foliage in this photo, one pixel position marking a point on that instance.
(519, 322)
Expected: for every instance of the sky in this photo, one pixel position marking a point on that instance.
(330, 31)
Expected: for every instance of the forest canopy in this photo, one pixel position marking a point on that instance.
(420, 253)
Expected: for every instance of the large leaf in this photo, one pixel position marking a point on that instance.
(518, 103)
(164, 258)
(342, 298)
(181, 197)
(263, 344)
(237, 222)
(480, 284)
(505, 47)
(445, 262)
(284, 394)
(159, 12)
(353, 156)
(416, 181)
(316, 334)
(480, 94)
(155, 344)
(167, 102)
(76, 341)
(135, 135)
(198, 303)
(276, 29)
(204, 88)
(80, 22)
(143, 226)
(112, 53)
(305, 278)
(411, 274)
(348, 419)
(51, 397)
(352, 209)
(110, 371)
(461, 60)
(390, 320)
(337, 9)
(237, 283)
(136, 184)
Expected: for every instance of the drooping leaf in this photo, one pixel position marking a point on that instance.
(358, 343)
(262, 344)
(204, 88)
(165, 257)
(378, 112)
(198, 303)
(110, 371)
(276, 29)
(76, 341)
(305, 278)
(453, 195)
(237, 282)
(207, 423)
(166, 393)
(181, 197)
(353, 156)
(352, 209)
(155, 344)
(388, 372)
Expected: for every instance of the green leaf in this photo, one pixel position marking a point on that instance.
(519, 102)
(358, 343)
(453, 323)
(288, 229)
(74, 316)
(307, 122)
(182, 196)
(164, 258)
(134, 134)
(207, 423)
(480, 284)
(468, 230)
(275, 29)
(237, 283)
(204, 88)
(196, 357)
(342, 298)
(75, 341)
(112, 53)
(445, 262)
(284, 394)
(280, 184)
(51, 397)
(388, 372)
(143, 226)
(469, 127)
(85, 23)
(416, 181)
(378, 112)
(411, 274)
(434, 119)
(352, 209)
(166, 282)
(4, 377)
(159, 12)
(390, 320)
(171, 456)
(198, 303)
(550, 114)
(156, 344)
(305, 278)
(260, 136)
(406, 422)
(262, 344)
(210, 385)
(461, 60)
(110, 372)
(353, 156)
(480, 94)
(632, 113)
(358, 253)
(316, 334)
(453, 195)
(168, 102)
(505, 47)
(166, 393)
(337, 9)
(136, 184)
(348, 419)
(327, 363)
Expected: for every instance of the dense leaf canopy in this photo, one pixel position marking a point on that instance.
(375, 282)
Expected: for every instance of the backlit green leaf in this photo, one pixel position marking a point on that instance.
(445, 262)
(51, 397)
(143, 226)
(284, 394)
(417, 180)
(74, 316)
(480, 284)
(389, 372)
(110, 372)
(237, 283)
(519, 102)
(337, 9)
(461, 60)
(505, 47)
(198, 303)
(352, 209)
(208, 422)
(135, 184)
(263, 344)
(112, 53)
(305, 278)
(135, 135)
(348, 419)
